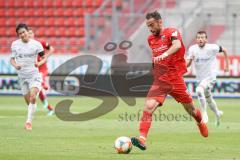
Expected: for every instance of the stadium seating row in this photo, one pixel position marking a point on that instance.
(50, 3)
(32, 12)
(49, 21)
(47, 31)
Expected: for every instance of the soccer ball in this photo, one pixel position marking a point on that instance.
(123, 145)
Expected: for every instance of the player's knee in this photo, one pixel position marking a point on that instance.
(200, 91)
(150, 106)
(208, 95)
(32, 98)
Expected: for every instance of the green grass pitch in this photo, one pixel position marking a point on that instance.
(169, 139)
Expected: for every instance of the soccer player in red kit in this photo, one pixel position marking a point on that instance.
(42, 67)
(168, 68)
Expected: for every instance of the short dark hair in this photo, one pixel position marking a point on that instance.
(21, 25)
(154, 15)
(202, 32)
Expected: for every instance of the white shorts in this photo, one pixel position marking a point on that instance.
(207, 84)
(27, 84)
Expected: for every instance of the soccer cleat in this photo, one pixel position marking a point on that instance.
(139, 142)
(203, 129)
(50, 113)
(28, 126)
(217, 122)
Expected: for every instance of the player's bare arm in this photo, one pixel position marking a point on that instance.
(176, 45)
(189, 61)
(49, 50)
(14, 64)
(225, 53)
(44, 60)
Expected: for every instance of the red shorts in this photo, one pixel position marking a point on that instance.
(174, 86)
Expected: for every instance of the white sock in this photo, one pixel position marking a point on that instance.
(203, 103)
(31, 110)
(212, 105)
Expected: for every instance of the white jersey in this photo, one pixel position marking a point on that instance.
(205, 61)
(25, 54)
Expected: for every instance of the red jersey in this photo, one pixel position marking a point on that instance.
(174, 63)
(43, 68)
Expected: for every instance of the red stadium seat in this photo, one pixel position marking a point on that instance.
(29, 3)
(69, 22)
(74, 49)
(78, 12)
(79, 32)
(90, 10)
(2, 12)
(10, 12)
(78, 3)
(19, 3)
(98, 3)
(4, 50)
(79, 21)
(57, 3)
(2, 21)
(49, 12)
(2, 31)
(68, 12)
(68, 3)
(48, 3)
(40, 31)
(9, 3)
(60, 41)
(89, 3)
(38, 3)
(60, 32)
(58, 12)
(76, 42)
(39, 21)
(10, 31)
(30, 22)
(29, 12)
(68, 32)
(50, 21)
(62, 50)
(59, 21)
(19, 12)
(21, 20)
(49, 31)
(3, 42)
(39, 12)
(10, 22)
(52, 42)
(2, 3)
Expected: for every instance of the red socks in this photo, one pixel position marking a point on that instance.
(145, 123)
(42, 96)
(197, 115)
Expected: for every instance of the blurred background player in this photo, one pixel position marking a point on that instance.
(204, 56)
(48, 50)
(168, 68)
(24, 60)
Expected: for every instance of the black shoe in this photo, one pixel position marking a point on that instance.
(137, 142)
